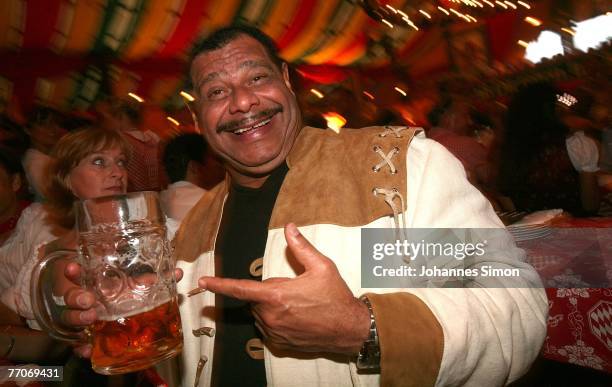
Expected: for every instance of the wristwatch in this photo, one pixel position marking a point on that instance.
(369, 356)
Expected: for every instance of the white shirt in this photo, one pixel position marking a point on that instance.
(19, 255)
(583, 152)
(179, 198)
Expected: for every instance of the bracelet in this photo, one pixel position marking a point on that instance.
(369, 356)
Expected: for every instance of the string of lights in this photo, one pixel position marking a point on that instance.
(424, 14)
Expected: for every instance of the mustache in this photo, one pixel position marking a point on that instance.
(230, 126)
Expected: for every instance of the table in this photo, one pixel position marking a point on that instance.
(575, 263)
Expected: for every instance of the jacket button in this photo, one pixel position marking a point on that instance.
(207, 331)
(255, 349)
(256, 268)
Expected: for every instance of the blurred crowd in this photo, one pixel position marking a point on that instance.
(544, 148)
(54, 159)
(28, 149)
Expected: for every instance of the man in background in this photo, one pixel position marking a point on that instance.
(191, 171)
(10, 185)
(44, 130)
(144, 168)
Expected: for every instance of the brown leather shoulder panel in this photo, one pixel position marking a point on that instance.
(330, 178)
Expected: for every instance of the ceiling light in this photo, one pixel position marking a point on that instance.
(410, 23)
(524, 4)
(187, 96)
(387, 23)
(136, 97)
(391, 8)
(425, 14)
(443, 10)
(501, 4)
(567, 99)
(370, 96)
(533, 21)
(317, 93)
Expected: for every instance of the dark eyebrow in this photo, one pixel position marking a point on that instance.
(207, 78)
(255, 63)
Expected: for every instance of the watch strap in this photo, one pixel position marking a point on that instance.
(369, 355)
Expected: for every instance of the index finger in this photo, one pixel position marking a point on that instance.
(72, 271)
(246, 290)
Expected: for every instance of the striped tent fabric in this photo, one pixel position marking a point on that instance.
(67, 53)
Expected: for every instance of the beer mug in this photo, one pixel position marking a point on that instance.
(126, 262)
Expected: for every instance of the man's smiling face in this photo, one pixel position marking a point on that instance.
(246, 108)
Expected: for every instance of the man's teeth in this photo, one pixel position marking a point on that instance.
(260, 124)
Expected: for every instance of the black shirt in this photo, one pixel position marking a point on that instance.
(242, 239)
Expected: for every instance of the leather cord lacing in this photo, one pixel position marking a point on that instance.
(390, 195)
(386, 159)
(395, 130)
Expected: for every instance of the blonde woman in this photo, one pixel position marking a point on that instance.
(89, 163)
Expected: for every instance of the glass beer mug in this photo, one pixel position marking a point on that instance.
(126, 262)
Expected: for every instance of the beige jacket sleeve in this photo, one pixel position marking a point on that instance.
(472, 336)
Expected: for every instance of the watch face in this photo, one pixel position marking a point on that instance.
(369, 358)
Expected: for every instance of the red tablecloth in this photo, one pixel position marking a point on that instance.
(580, 327)
(578, 253)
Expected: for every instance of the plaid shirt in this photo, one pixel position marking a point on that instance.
(144, 169)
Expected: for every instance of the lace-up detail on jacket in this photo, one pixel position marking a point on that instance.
(395, 130)
(391, 195)
(386, 159)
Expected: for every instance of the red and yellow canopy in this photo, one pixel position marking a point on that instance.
(66, 52)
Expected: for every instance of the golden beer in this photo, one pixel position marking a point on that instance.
(132, 343)
(126, 263)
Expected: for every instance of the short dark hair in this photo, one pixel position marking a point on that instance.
(44, 115)
(9, 161)
(223, 36)
(435, 114)
(180, 151)
(131, 110)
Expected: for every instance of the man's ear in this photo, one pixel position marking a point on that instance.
(194, 169)
(16, 183)
(191, 167)
(286, 79)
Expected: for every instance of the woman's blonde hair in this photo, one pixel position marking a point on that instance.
(67, 154)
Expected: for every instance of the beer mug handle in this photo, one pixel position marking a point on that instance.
(46, 310)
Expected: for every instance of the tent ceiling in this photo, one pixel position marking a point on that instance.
(69, 52)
